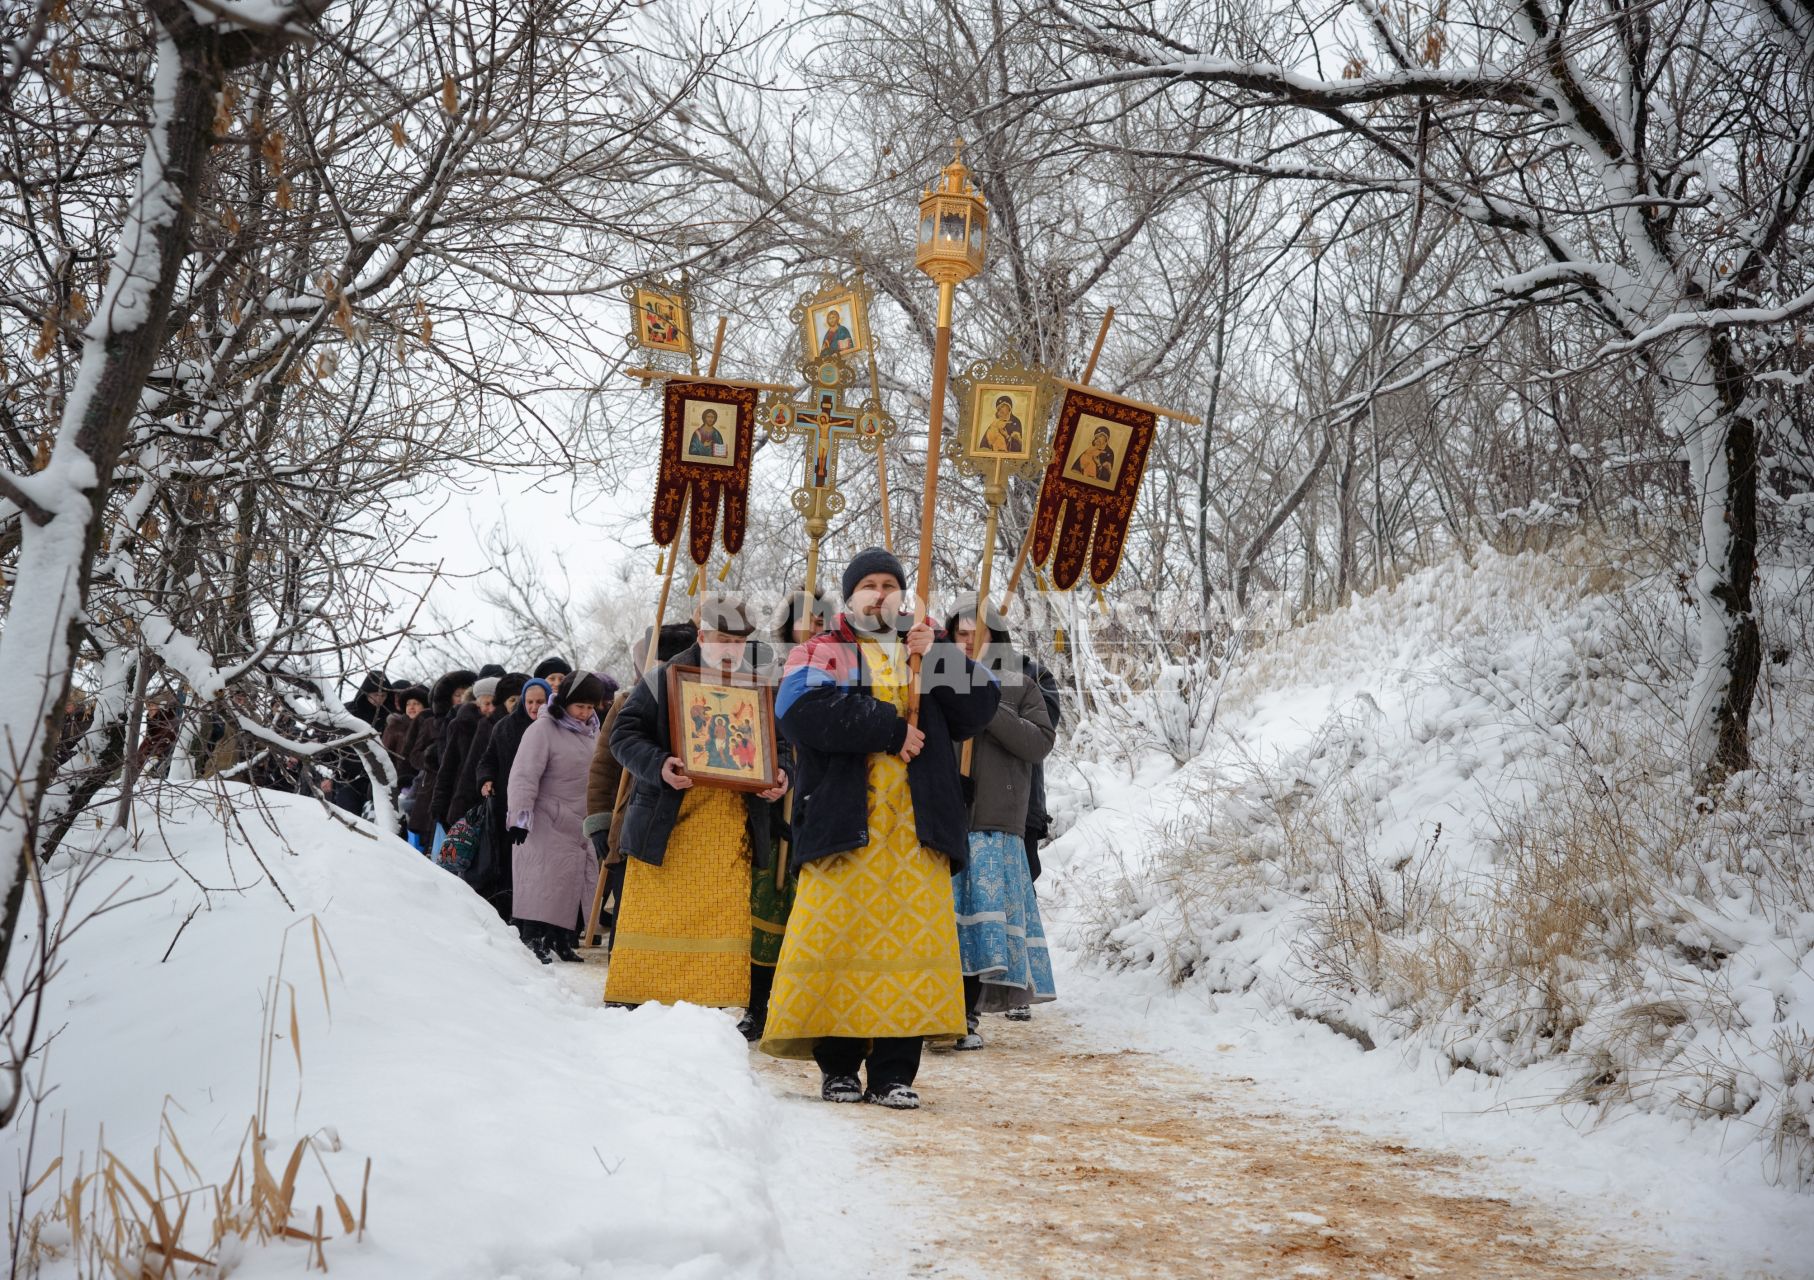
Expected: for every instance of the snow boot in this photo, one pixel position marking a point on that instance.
(563, 946)
(841, 1089)
(751, 1024)
(971, 1041)
(1020, 1013)
(896, 1097)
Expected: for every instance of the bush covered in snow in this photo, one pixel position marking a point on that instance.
(1455, 817)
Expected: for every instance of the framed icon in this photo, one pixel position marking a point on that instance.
(834, 321)
(661, 319)
(722, 728)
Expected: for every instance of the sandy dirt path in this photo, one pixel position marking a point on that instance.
(1049, 1156)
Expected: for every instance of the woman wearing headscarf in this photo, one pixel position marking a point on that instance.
(553, 869)
(1001, 940)
(493, 775)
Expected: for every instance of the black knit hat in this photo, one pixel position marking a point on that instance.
(864, 563)
(549, 666)
(491, 669)
(511, 685)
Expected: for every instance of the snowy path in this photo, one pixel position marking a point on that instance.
(1061, 1152)
(1051, 1155)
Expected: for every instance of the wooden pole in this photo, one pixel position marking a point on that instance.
(935, 431)
(718, 349)
(1089, 370)
(648, 661)
(875, 391)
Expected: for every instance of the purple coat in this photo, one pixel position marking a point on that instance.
(554, 871)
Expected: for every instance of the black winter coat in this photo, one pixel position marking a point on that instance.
(424, 758)
(1039, 818)
(456, 745)
(466, 790)
(641, 743)
(835, 724)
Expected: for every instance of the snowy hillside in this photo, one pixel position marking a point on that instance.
(513, 1128)
(1450, 822)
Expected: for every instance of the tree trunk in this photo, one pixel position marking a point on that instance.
(57, 551)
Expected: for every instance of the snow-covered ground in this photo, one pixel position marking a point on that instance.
(516, 1128)
(1450, 821)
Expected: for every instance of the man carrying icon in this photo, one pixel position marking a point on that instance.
(683, 932)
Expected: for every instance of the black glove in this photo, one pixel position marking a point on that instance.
(518, 834)
(601, 843)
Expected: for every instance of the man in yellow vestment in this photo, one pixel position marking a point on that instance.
(683, 932)
(869, 966)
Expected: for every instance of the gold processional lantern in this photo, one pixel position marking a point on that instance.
(954, 230)
(953, 236)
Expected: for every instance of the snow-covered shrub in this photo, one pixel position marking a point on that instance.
(1456, 817)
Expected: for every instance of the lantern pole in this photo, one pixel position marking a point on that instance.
(953, 204)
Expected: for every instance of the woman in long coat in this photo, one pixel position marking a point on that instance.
(448, 692)
(553, 869)
(1001, 938)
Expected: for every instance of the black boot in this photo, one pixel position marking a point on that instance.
(762, 982)
(563, 946)
(535, 933)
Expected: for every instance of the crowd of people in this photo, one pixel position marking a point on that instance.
(870, 892)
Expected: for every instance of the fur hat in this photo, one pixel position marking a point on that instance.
(441, 702)
(589, 686)
(674, 639)
(510, 686)
(864, 563)
(490, 669)
(551, 666)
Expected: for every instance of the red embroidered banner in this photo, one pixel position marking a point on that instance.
(1099, 448)
(707, 432)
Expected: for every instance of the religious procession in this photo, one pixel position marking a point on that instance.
(823, 811)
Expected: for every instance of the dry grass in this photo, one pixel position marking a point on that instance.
(101, 1220)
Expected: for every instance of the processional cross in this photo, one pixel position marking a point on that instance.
(822, 421)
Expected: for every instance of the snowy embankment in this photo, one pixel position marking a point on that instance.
(512, 1127)
(1451, 824)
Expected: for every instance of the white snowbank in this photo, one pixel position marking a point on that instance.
(1452, 819)
(515, 1129)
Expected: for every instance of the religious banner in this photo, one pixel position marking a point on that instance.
(707, 432)
(1099, 448)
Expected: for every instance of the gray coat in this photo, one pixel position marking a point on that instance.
(554, 871)
(1001, 765)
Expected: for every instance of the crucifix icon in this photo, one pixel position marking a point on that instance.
(830, 423)
(823, 421)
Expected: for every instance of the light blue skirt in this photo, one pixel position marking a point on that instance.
(999, 935)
